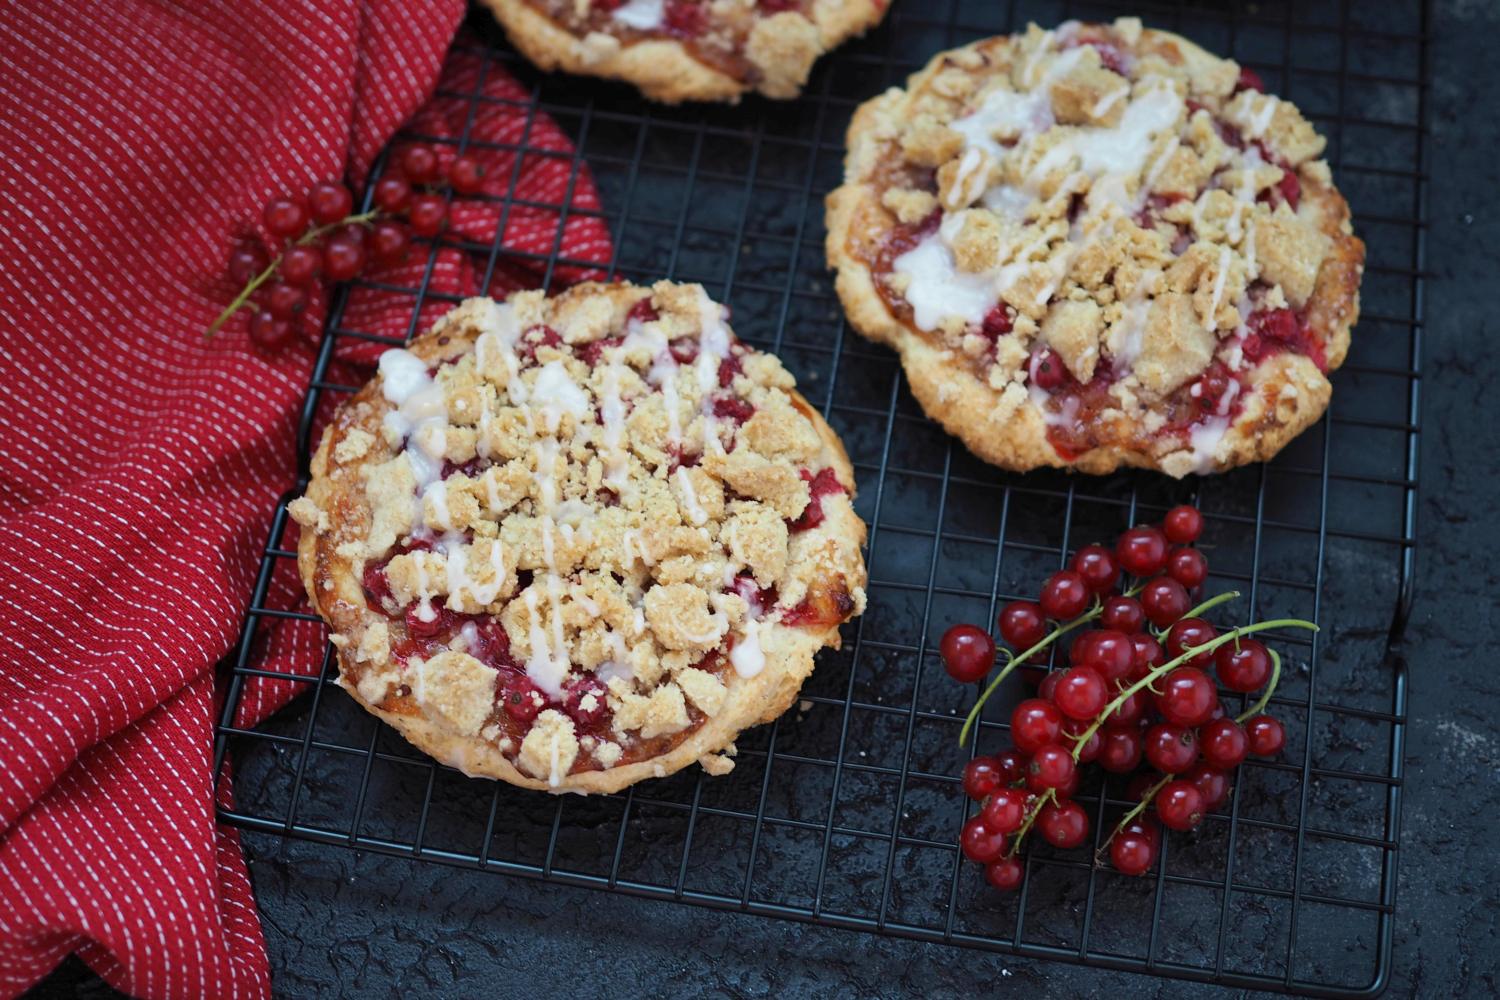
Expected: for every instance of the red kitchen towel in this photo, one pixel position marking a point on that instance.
(139, 462)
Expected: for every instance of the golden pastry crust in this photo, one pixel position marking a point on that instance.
(576, 542)
(1098, 201)
(743, 48)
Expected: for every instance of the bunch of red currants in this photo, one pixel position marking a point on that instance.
(1137, 689)
(321, 238)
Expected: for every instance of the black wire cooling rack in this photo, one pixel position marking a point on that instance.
(845, 812)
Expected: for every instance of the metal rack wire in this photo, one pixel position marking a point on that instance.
(845, 812)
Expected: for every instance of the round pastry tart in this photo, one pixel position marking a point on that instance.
(687, 50)
(576, 542)
(1098, 246)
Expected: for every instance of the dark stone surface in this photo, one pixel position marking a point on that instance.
(338, 924)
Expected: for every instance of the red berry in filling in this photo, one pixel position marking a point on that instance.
(1034, 724)
(1022, 625)
(428, 214)
(285, 300)
(1243, 665)
(1190, 633)
(301, 265)
(968, 653)
(1122, 614)
(997, 323)
(246, 261)
(1063, 824)
(441, 622)
(1004, 874)
(522, 699)
(1187, 698)
(420, 164)
(1170, 749)
(982, 776)
(269, 332)
(1120, 750)
(1179, 805)
(1208, 392)
(1052, 766)
(285, 217)
(1249, 80)
(1290, 188)
(733, 408)
(1096, 565)
(1142, 551)
(1005, 811)
(388, 241)
(1265, 735)
(1212, 784)
(1064, 595)
(728, 369)
(466, 175)
(980, 843)
(377, 587)
(491, 645)
(643, 312)
(343, 259)
(329, 201)
(685, 17)
(392, 193)
(1182, 525)
(1223, 744)
(1187, 567)
(585, 702)
(1080, 693)
(1047, 370)
(1164, 600)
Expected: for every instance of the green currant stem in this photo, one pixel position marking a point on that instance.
(1014, 659)
(1015, 844)
(1187, 654)
(1260, 706)
(1139, 808)
(1212, 602)
(243, 299)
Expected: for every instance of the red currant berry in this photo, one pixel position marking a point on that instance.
(523, 700)
(1048, 687)
(420, 164)
(1164, 600)
(269, 332)
(1187, 567)
(1182, 525)
(1212, 784)
(1034, 724)
(1011, 765)
(428, 214)
(1052, 766)
(1142, 551)
(981, 777)
(466, 175)
(1243, 665)
(1191, 633)
(1063, 824)
(1047, 370)
(1004, 874)
(285, 300)
(392, 193)
(1170, 749)
(1005, 811)
(1266, 736)
(1188, 698)
(1022, 625)
(329, 202)
(301, 265)
(968, 652)
(246, 261)
(1133, 851)
(1080, 693)
(1249, 80)
(1179, 805)
(1110, 653)
(1120, 751)
(388, 241)
(1223, 744)
(1096, 565)
(1122, 614)
(586, 703)
(343, 259)
(285, 217)
(1064, 595)
(1089, 751)
(1128, 714)
(980, 843)
(1146, 653)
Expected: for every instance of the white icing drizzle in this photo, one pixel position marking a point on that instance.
(695, 511)
(938, 288)
(612, 410)
(556, 391)
(747, 657)
(1261, 120)
(642, 15)
(1102, 105)
(1218, 296)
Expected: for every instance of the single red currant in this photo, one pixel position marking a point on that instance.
(1048, 687)
(1110, 653)
(1187, 567)
(343, 259)
(301, 265)
(1249, 80)
(1089, 752)
(1133, 851)
(981, 777)
(1179, 805)
(1096, 565)
(1212, 784)
(968, 652)
(1034, 724)
(1063, 824)
(1265, 735)
(1128, 714)
(428, 214)
(1011, 765)
(1022, 625)
(523, 700)
(1120, 751)
(285, 217)
(1243, 665)
(1047, 370)
(1080, 693)
(1064, 596)
(420, 164)
(269, 332)
(1122, 614)
(1191, 633)
(329, 201)
(1182, 525)
(466, 175)
(1146, 653)
(1005, 810)
(1164, 600)
(1142, 551)
(285, 300)
(1004, 874)
(392, 193)
(1052, 766)
(1171, 749)
(980, 843)
(388, 241)
(1223, 744)
(246, 261)
(1188, 698)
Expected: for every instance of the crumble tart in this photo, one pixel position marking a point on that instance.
(575, 542)
(687, 50)
(1098, 246)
